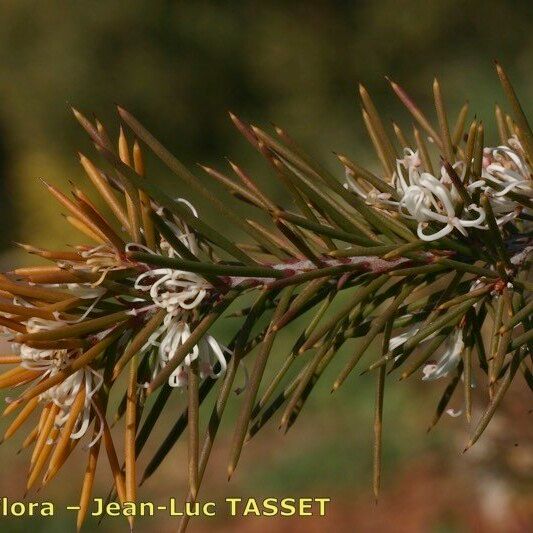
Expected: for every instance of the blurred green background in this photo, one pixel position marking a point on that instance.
(179, 66)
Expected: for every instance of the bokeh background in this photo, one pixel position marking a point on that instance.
(179, 66)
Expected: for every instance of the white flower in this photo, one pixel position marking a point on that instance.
(172, 334)
(427, 199)
(449, 360)
(64, 394)
(208, 352)
(187, 237)
(99, 259)
(179, 292)
(508, 169)
(434, 200)
(51, 361)
(424, 198)
(505, 170)
(173, 290)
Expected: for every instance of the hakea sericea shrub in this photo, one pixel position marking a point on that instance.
(433, 248)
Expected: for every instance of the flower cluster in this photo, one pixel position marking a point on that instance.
(505, 171)
(178, 293)
(428, 260)
(435, 201)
